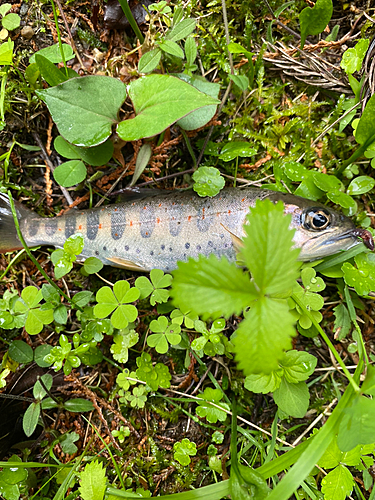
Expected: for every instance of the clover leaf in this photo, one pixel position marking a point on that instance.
(154, 376)
(155, 287)
(122, 341)
(138, 398)
(117, 302)
(206, 409)
(164, 333)
(362, 277)
(183, 450)
(36, 317)
(63, 258)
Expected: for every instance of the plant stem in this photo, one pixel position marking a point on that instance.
(129, 16)
(327, 341)
(59, 37)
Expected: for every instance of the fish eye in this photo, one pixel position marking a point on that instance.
(316, 219)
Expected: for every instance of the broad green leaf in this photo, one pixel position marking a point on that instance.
(5, 8)
(362, 277)
(85, 109)
(183, 449)
(352, 58)
(368, 386)
(172, 48)
(6, 53)
(338, 484)
(78, 405)
(70, 173)
(344, 200)
(20, 351)
(327, 182)
(53, 54)
(235, 149)
(205, 409)
(13, 475)
(93, 481)
(295, 171)
(95, 156)
(267, 248)
(122, 341)
(201, 116)
(298, 366)
(36, 319)
(52, 75)
(30, 418)
(208, 181)
(92, 265)
(358, 424)
(360, 185)
(123, 315)
(257, 382)
(292, 399)
(149, 61)
(263, 336)
(11, 21)
(39, 354)
(181, 30)
(332, 456)
(241, 81)
(191, 51)
(159, 101)
(38, 390)
(211, 287)
(106, 302)
(366, 128)
(74, 244)
(314, 20)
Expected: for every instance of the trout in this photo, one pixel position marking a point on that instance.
(160, 230)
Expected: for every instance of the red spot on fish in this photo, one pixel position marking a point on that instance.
(116, 235)
(102, 210)
(130, 223)
(229, 212)
(173, 203)
(116, 209)
(217, 214)
(159, 205)
(144, 208)
(100, 226)
(189, 218)
(80, 227)
(146, 234)
(158, 220)
(60, 229)
(243, 200)
(133, 204)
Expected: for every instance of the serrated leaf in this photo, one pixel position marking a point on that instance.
(263, 336)
(85, 109)
(298, 366)
(267, 248)
(93, 481)
(260, 383)
(211, 287)
(159, 101)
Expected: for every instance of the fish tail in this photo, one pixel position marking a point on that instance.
(9, 240)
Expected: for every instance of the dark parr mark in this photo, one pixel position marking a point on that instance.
(118, 221)
(70, 226)
(147, 220)
(92, 225)
(175, 214)
(33, 227)
(51, 226)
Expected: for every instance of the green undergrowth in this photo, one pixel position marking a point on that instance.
(204, 382)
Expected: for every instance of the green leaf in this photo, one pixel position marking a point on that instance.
(6, 53)
(92, 265)
(78, 405)
(30, 419)
(95, 156)
(211, 287)
(67, 443)
(235, 149)
(260, 383)
(181, 30)
(344, 200)
(159, 101)
(85, 109)
(106, 302)
(366, 128)
(327, 182)
(40, 352)
(74, 244)
(60, 314)
(201, 116)
(362, 277)
(183, 450)
(20, 351)
(314, 20)
(172, 48)
(357, 425)
(262, 337)
(13, 475)
(191, 52)
(5, 8)
(342, 321)
(267, 248)
(298, 366)
(208, 181)
(352, 58)
(93, 481)
(292, 399)
(368, 386)
(122, 342)
(70, 173)
(11, 21)
(338, 484)
(53, 53)
(149, 61)
(241, 81)
(360, 185)
(212, 413)
(51, 74)
(332, 456)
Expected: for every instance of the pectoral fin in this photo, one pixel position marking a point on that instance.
(125, 264)
(237, 242)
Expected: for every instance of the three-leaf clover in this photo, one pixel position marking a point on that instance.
(118, 303)
(211, 343)
(63, 259)
(154, 376)
(138, 398)
(155, 287)
(183, 450)
(164, 333)
(36, 316)
(206, 409)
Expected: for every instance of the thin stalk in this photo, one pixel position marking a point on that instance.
(359, 152)
(190, 149)
(2, 95)
(59, 36)
(30, 255)
(353, 318)
(11, 263)
(327, 341)
(129, 16)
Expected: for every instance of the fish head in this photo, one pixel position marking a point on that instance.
(322, 231)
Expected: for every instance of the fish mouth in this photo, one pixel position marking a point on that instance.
(318, 246)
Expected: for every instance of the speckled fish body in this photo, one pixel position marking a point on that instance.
(160, 230)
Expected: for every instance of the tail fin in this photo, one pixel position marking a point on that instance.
(8, 235)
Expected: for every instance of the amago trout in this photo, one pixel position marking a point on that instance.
(160, 230)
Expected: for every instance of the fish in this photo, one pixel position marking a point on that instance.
(158, 231)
